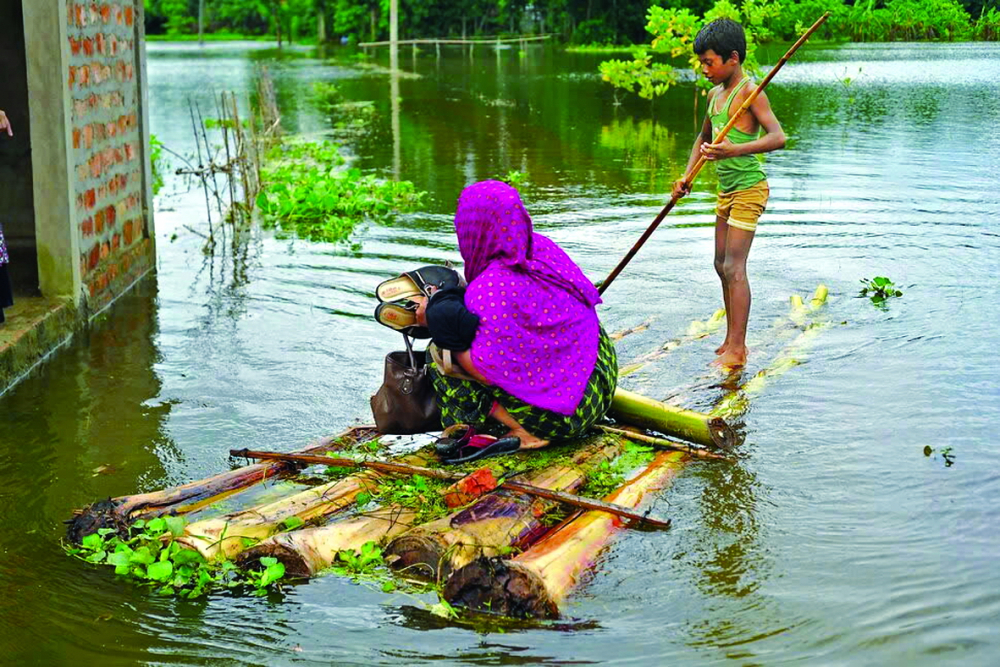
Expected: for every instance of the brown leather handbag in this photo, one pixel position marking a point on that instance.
(406, 402)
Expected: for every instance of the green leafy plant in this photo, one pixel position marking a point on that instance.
(514, 178)
(306, 193)
(608, 476)
(158, 162)
(879, 289)
(150, 556)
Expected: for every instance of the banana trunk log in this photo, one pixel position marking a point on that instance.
(637, 410)
(501, 520)
(535, 583)
(307, 551)
(121, 512)
(226, 536)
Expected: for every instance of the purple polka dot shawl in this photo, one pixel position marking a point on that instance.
(3, 249)
(538, 331)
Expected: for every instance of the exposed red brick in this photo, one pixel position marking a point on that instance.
(119, 18)
(127, 231)
(95, 257)
(74, 46)
(90, 198)
(76, 138)
(129, 16)
(99, 221)
(87, 228)
(110, 215)
(116, 241)
(88, 136)
(106, 13)
(105, 250)
(88, 46)
(101, 43)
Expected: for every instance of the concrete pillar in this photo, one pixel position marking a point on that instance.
(47, 47)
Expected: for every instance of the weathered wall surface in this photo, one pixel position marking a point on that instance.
(103, 78)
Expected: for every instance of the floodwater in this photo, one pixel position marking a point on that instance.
(835, 540)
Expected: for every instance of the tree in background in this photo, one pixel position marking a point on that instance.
(577, 21)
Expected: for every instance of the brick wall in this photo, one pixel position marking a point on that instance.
(108, 154)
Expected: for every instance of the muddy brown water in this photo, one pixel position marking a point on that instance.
(835, 541)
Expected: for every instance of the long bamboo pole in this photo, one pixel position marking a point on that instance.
(690, 176)
(404, 469)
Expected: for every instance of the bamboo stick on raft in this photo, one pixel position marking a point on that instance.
(119, 513)
(498, 520)
(228, 535)
(697, 427)
(662, 443)
(535, 583)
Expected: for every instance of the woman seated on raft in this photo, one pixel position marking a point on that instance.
(526, 333)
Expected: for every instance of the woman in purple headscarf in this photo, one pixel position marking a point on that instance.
(526, 328)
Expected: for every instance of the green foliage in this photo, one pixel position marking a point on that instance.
(151, 557)
(674, 31)
(879, 289)
(417, 493)
(359, 563)
(514, 178)
(306, 192)
(158, 162)
(607, 477)
(988, 25)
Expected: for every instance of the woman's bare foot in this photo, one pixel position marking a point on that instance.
(734, 357)
(528, 441)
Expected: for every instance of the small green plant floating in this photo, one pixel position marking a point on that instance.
(947, 455)
(879, 289)
(150, 556)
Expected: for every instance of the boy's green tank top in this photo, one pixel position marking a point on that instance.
(744, 171)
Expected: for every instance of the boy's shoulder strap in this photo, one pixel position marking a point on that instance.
(733, 94)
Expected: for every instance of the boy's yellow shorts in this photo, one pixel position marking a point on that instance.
(742, 208)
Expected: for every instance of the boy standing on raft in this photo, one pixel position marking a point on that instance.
(743, 191)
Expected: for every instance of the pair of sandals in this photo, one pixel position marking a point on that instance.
(461, 444)
(397, 309)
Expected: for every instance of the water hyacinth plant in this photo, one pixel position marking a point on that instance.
(879, 289)
(307, 192)
(150, 556)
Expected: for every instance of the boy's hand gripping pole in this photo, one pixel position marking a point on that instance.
(690, 176)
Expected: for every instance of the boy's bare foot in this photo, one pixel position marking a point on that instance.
(722, 348)
(528, 441)
(734, 357)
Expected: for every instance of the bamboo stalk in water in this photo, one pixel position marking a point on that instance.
(502, 519)
(119, 513)
(535, 583)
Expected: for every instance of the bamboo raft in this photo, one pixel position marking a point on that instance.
(507, 551)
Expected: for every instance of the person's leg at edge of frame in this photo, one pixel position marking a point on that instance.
(721, 234)
(737, 286)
